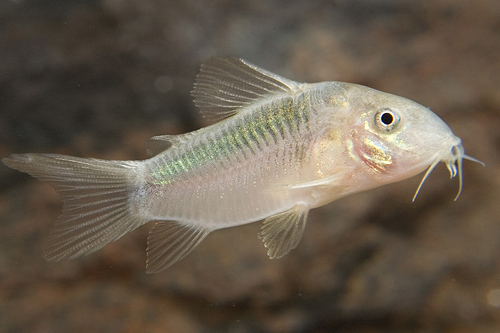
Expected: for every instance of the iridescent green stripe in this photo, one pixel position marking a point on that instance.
(248, 136)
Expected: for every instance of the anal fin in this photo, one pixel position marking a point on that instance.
(169, 242)
(282, 232)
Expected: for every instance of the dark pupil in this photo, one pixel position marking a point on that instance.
(387, 118)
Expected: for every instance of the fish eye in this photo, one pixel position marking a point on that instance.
(386, 119)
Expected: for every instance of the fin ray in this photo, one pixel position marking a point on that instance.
(169, 242)
(226, 84)
(333, 180)
(95, 197)
(282, 232)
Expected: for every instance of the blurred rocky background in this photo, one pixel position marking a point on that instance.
(96, 78)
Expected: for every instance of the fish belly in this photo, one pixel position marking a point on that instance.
(227, 198)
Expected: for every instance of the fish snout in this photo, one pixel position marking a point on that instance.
(452, 157)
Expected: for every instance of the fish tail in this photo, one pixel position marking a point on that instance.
(96, 195)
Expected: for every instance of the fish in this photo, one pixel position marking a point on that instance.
(277, 149)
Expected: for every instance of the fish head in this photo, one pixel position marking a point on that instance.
(395, 138)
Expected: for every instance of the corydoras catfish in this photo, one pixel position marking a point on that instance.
(280, 148)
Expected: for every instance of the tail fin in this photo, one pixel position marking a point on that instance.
(96, 196)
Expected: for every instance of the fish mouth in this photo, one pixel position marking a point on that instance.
(453, 160)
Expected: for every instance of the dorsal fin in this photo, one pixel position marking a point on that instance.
(226, 84)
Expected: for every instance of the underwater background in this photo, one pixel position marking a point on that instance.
(97, 78)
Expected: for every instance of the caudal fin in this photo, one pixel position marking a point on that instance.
(96, 196)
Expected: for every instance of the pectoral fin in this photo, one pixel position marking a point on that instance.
(282, 232)
(169, 242)
(332, 180)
